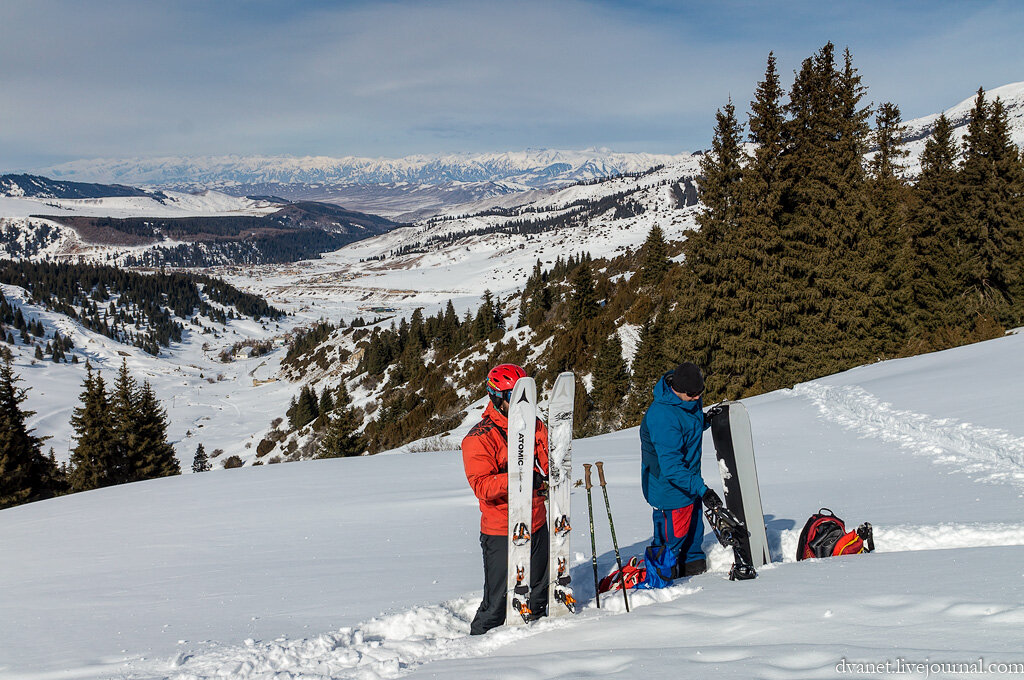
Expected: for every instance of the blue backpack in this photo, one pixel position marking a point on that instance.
(659, 562)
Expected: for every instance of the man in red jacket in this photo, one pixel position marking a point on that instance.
(485, 456)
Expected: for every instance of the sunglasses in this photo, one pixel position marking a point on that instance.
(692, 395)
(505, 395)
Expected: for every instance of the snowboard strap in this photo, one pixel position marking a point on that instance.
(730, 532)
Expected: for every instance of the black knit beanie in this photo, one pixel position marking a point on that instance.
(688, 378)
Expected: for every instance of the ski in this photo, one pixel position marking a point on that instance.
(560, 408)
(734, 448)
(522, 425)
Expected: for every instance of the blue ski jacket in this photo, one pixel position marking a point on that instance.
(671, 435)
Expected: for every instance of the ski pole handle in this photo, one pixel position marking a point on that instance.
(586, 468)
(600, 471)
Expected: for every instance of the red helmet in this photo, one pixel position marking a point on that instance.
(501, 379)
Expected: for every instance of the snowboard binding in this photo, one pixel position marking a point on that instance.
(730, 532)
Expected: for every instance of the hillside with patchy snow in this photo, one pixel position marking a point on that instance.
(918, 130)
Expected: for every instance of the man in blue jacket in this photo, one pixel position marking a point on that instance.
(670, 442)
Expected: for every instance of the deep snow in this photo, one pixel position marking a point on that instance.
(370, 567)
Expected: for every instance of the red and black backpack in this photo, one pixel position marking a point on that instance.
(633, 572)
(825, 535)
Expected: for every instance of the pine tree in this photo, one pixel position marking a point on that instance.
(993, 181)
(449, 327)
(124, 422)
(342, 438)
(825, 211)
(93, 459)
(768, 325)
(887, 163)
(25, 474)
(158, 458)
(930, 258)
(200, 463)
(654, 263)
(885, 234)
(536, 300)
(417, 337)
(722, 170)
(582, 300)
(611, 380)
(710, 307)
(484, 324)
(305, 409)
(326, 402)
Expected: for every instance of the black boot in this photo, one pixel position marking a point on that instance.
(693, 568)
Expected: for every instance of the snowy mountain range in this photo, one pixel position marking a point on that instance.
(316, 177)
(532, 167)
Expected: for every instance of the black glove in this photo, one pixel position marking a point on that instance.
(711, 499)
(711, 413)
(540, 483)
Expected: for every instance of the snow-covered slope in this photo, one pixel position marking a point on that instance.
(168, 204)
(370, 567)
(41, 227)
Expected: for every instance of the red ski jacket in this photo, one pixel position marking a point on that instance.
(485, 457)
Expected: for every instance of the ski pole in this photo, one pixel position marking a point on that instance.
(611, 524)
(593, 542)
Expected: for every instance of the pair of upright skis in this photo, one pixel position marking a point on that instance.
(522, 419)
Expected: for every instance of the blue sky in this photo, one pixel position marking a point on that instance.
(146, 78)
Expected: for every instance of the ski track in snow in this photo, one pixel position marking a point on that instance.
(988, 454)
(388, 646)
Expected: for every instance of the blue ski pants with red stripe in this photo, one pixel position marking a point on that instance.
(681, 531)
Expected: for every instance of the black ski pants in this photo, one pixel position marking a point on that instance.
(491, 613)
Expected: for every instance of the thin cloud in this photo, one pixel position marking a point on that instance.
(117, 79)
